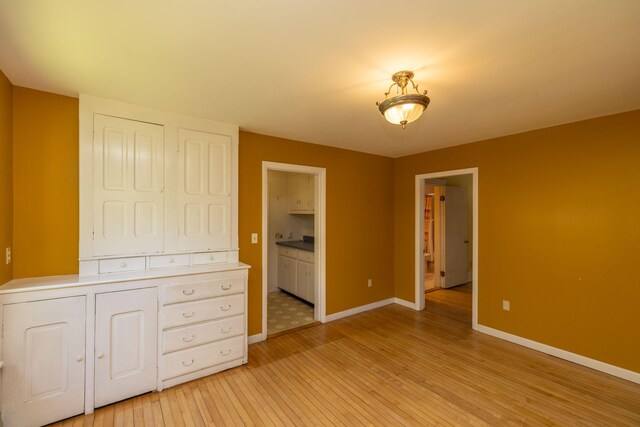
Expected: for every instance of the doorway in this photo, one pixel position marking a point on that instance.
(293, 246)
(447, 234)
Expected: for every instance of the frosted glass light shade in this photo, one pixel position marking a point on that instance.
(404, 109)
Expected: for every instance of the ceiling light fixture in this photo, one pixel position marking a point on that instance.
(405, 107)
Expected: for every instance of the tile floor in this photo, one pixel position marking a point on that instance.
(286, 312)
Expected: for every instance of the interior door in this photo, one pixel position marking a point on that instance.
(43, 373)
(455, 242)
(126, 344)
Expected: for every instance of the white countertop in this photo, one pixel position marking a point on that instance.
(74, 280)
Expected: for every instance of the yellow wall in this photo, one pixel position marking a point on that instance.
(558, 233)
(45, 175)
(6, 175)
(359, 219)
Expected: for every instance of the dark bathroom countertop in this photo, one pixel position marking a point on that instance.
(298, 244)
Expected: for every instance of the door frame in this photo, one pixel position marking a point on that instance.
(419, 237)
(320, 204)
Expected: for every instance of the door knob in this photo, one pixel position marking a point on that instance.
(100, 355)
(79, 359)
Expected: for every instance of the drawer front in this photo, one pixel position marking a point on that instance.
(286, 251)
(200, 311)
(193, 359)
(203, 333)
(305, 256)
(117, 265)
(209, 258)
(213, 287)
(166, 261)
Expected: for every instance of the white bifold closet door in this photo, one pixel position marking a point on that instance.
(204, 191)
(126, 344)
(43, 374)
(128, 201)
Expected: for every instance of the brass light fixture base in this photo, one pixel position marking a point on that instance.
(394, 108)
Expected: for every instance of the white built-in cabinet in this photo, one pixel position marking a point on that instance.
(43, 371)
(126, 346)
(301, 194)
(296, 272)
(157, 190)
(72, 344)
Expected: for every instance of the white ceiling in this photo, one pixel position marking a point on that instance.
(313, 70)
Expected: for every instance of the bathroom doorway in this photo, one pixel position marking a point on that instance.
(293, 247)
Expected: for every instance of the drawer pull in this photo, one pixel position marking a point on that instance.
(188, 339)
(225, 307)
(189, 292)
(170, 260)
(211, 258)
(225, 287)
(225, 352)
(100, 355)
(123, 264)
(226, 330)
(188, 315)
(188, 363)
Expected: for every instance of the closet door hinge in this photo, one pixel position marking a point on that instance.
(442, 198)
(442, 274)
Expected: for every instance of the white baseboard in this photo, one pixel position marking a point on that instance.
(360, 309)
(563, 354)
(252, 339)
(404, 303)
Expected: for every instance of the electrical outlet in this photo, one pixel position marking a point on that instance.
(7, 255)
(254, 238)
(369, 283)
(279, 235)
(506, 305)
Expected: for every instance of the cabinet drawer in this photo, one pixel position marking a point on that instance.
(117, 265)
(286, 251)
(193, 359)
(209, 258)
(200, 311)
(305, 256)
(165, 261)
(203, 333)
(203, 289)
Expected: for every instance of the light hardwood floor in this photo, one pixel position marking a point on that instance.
(387, 367)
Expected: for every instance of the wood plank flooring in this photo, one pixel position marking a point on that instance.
(389, 367)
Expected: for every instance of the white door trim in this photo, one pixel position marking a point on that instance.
(320, 203)
(419, 237)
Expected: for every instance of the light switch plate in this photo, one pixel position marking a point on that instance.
(254, 238)
(7, 255)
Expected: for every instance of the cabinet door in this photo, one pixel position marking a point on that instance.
(287, 274)
(294, 192)
(128, 199)
(309, 193)
(305, 282)
(204, 191)
(126, 344)
(43, 371)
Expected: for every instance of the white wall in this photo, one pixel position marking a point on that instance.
(292, 227)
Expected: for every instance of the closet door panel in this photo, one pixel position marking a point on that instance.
(204, 195)
(128, 186)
